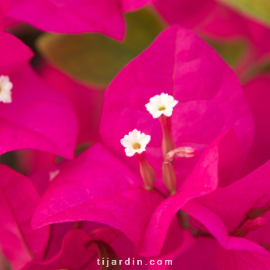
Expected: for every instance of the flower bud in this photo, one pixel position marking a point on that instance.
(248, 226)
(169, 178)
(167, 141)
(185, 152)
(147, 172)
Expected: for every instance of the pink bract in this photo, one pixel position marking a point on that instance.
(14, 54)
(210, 97)
(19, 242)
(208, 254)
(213, 19)
(87, 102)
(184, 12)
(251, 191)
(83, 190)
(39, 117)
(68, 16)
(79, 250)
(131, 5)
(231, 252)
(258, 96)
(76, 250)
(224, 210)
(99, 186)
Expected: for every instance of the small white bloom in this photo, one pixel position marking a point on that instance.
(5, 89)
(135, 142)
(161, 104)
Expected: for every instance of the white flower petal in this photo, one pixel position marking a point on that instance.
(5, 89)
(128, 138)
(163, 96)
(168, 112)
(145, 139)
(140, 151)
(164, 101)
(133, 139)
(155, 99)
(173, 103)
(170, 99)
(150, 106)
(125, 142)
(157, 114)
(136, 135)
(130, 151)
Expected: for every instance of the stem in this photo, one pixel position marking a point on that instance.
(167, 141)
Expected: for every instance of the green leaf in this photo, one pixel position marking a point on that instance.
(96, 59)
(232, 52)
(262, 67)
(259, 9)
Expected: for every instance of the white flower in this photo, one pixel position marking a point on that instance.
(161, 104)
(135, 142)
(5, 89)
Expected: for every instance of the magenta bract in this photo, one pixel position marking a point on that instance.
(210, 98)
(28, 121)
(68, 16)
(87, 102)
(225, 212)
(14, 54)
(83, 190)
(79, 250)
(216, 20)
(258, 96)
(19, 242)
(98, 186)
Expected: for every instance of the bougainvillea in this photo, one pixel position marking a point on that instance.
(83, 190)
(237, 216)
(165, 166)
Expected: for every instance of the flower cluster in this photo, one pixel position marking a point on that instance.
(168, 165)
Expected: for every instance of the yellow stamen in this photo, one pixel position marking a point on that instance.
(136, 146)
(162, 108)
